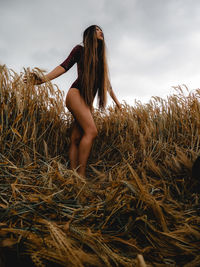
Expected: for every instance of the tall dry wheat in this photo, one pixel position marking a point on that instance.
(138, 200)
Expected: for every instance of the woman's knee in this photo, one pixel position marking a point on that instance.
(92, 132)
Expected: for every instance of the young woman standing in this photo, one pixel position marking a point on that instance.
(92, 79)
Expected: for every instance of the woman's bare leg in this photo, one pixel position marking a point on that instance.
(74, 145)
(83, 116)
(84, 151)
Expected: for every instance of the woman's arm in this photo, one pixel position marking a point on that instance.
(51, 75)
(59, 70)
(112, 94)
(73, 58)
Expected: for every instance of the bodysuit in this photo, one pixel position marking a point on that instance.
(76, 56)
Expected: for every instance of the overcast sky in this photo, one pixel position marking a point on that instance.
(152, 45)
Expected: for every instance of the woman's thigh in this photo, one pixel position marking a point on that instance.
(80, 110)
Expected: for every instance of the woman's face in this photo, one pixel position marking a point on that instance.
(99, 33)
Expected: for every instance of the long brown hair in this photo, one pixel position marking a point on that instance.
(95, 69)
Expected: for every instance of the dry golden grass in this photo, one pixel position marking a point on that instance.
(136, 207)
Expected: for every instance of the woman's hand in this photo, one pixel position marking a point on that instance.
(119, 106)
(33, 77)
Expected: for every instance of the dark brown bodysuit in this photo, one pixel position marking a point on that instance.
(76, 56)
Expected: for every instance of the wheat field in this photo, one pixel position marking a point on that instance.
(138, 206)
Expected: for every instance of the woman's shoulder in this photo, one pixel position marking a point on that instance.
(78, 47)
(77, 51)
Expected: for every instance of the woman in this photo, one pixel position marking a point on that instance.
(92, 79)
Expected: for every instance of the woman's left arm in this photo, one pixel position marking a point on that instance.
(112, 94)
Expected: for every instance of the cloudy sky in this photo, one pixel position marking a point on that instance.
(152, 45)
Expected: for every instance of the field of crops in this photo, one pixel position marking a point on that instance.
(139, 200)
